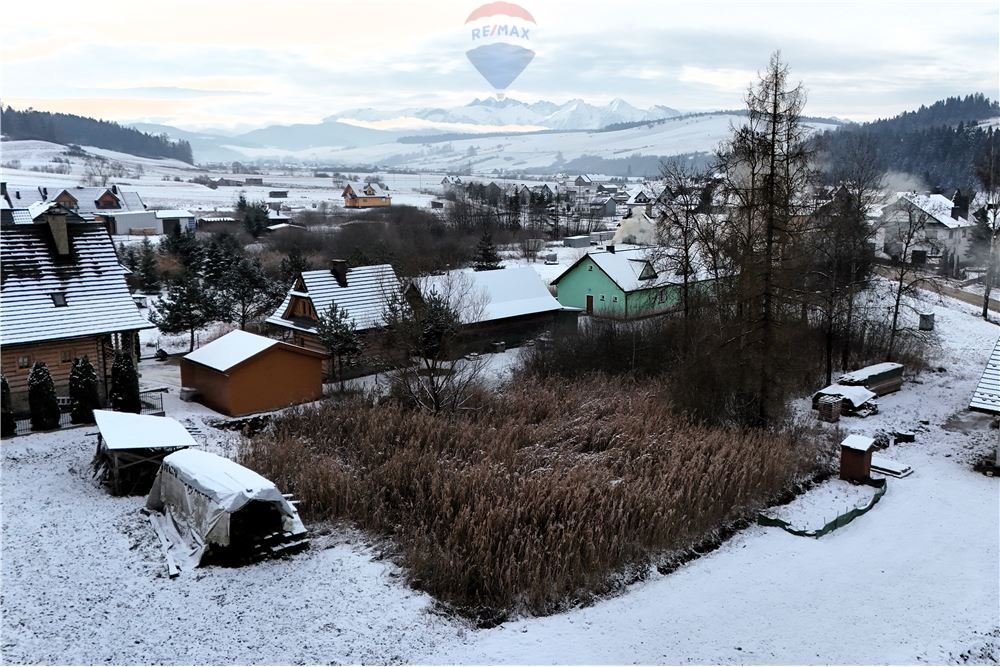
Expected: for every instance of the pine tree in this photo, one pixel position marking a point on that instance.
(42, 398)
(8, 426)
(487, 258)
(145, 267)
(188, 306)
(246, 293)
(124, 396)
(292, 265)
(338, 333)
(83, 391)
(253, 215)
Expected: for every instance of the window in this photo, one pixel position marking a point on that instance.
(615, 299)
(590, 268)
(66, 356)
(602, 297)
(58, 298)
(24, 361)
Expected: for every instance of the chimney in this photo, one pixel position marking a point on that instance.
(960, 206)
(611, 248)
(3, 188)
(338, 267)
(114, 189)
(60, 235)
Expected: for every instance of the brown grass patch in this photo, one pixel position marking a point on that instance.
(542, 496)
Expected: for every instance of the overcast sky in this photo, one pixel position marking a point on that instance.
(217, 63)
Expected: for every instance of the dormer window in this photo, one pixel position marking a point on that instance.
(58, 299)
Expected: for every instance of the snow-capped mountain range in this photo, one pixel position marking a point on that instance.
(576, 114)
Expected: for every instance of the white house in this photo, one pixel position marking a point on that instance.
(940, 228)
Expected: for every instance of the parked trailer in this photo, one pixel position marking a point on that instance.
(882, 379)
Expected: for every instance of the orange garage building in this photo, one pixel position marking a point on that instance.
(241, 373)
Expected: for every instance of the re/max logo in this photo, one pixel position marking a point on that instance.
(500, 30)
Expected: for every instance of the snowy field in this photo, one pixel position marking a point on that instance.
(914, 580)
(158, 190)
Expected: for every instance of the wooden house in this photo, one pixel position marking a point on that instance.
(242, 373)
(64, 297)
(364, 292)
(622, 284)
(508, 305)
(365, 195)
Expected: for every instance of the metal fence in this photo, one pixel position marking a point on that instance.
(151, 403)
(839, 522)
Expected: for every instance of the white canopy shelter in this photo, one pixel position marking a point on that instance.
(126, 430)
(130, 448)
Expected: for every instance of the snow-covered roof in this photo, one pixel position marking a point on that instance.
(86, 197)
(126, 430)
(366, 190)
(629, 269)
(484, 296)
(229, 350)
(862, 375)
(227, 483)
(365, 297)
(640, 197)
(857, 396)
(861, 443)
(937, 206)
(173, 213)
(90, 277)
(986, 396)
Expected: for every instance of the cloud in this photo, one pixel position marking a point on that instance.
(294, 61)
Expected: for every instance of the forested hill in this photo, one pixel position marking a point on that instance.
(937, 144)
(62, 128)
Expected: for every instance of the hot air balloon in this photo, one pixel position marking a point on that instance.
(501, 35)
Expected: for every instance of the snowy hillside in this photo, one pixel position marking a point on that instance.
(539, 152)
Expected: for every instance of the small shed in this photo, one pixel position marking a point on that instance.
(206, 505)
(242, 373)
(882, 379)
(856, 458)
(130, 448)
(581, 241)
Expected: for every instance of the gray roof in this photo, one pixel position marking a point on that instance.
(86, 197)
(986, 397)
(369, 290)
(97, 299)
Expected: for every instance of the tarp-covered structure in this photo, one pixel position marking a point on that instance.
(131, 447)
(854, 399)
(208, 505)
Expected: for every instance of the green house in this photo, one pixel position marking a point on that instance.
(623, 284)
